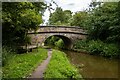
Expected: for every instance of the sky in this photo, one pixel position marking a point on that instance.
(73, 5)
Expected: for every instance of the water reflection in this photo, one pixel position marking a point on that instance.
(93, 66)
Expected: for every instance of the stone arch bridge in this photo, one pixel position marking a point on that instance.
(68, 34)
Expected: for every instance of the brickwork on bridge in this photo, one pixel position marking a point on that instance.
(68, 34)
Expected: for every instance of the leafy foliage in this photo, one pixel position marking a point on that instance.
(80, 44)
(104, 23)
(101, 21)
(60, 44)
(51, 40)
(60, 17)
(7, 53)
(97, 47)
(55, 41)
(18, 18)
(79, 19)
(111, 50)
(100, 48)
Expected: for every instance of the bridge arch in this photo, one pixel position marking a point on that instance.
(67, 41)
(68, 34)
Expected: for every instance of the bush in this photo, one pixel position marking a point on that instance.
(7, 53)
(95, 47)
(98, 48)
(59, 44)
(80, 44)
(110, 50)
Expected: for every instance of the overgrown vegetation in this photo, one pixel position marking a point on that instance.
(102, 21)
(60, 17)
(17, 19)
(60, 67)
(21, 65)
(103, 25)
(98, 47)
(55, 42)
(7, 54)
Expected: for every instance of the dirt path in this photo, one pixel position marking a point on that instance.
(38, 73)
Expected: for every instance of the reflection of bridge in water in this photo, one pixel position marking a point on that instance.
(68, 34)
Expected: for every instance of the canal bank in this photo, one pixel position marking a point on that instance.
(60, 67)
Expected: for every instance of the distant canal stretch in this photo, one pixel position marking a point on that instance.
(93, 66)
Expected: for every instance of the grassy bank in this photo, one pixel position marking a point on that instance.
(60, 67)
(21, 65)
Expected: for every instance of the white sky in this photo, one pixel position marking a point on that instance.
(73, 5)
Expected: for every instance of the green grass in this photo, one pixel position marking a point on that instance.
(60, 67)
(21, 65)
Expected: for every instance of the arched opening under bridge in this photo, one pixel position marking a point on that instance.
(54, 38)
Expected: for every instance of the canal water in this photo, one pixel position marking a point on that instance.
(91, 66)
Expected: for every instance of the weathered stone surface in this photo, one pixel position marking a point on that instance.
(68, 34)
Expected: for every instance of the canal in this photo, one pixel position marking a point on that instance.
(91, 66)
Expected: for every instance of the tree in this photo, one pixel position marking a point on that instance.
(51, 40)
(60, 17)
(55, 41)
(68, 16)
(18, 18)
(79, 19)
(104, 22)
(60, 44)
(57, 16)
